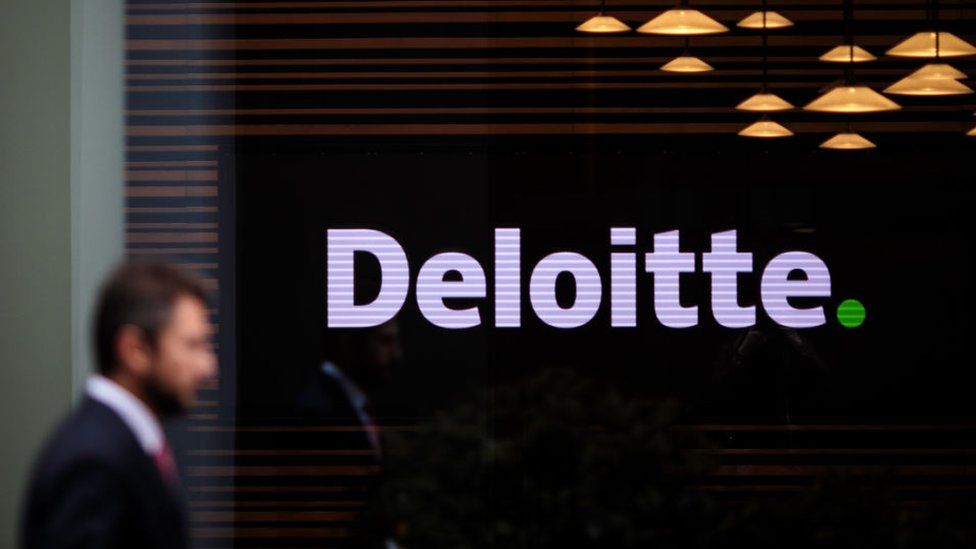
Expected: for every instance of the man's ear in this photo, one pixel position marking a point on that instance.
(133, 350)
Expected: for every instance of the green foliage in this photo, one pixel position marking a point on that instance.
(555, 461)
(562, 461)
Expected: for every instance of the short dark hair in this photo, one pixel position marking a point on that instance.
(140, 294)
(366, 290)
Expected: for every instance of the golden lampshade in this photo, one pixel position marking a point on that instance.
(848, 141)
(686, 63)
(847, 53)
(925, 44)
(682, 22)
(765, 129)
(773, 20)
(602, 24)
(931, 79)
(764, 102)
(938, 71)
(912, 85)
(851, 99)
(972, 132)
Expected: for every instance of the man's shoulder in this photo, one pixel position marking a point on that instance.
(93, 478)
(91, 433)
(322, 398)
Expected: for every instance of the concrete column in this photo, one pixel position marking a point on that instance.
(61, 212)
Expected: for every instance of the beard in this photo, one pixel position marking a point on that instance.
(163, 400)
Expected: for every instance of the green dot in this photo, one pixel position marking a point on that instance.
(851, 313)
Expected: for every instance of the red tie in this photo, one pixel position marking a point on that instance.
(372, 430)
(165, 463)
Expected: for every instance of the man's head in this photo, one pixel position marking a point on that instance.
(368, 355)
(152, 334)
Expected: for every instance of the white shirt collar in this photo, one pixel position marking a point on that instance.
(139, 418)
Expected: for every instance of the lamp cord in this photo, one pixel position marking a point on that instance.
(765, 48)
(932, 16)
(849, 38)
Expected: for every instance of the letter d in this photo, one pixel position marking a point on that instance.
(341, 246)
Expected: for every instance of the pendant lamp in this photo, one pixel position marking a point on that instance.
(849, 97)
(847, 53)
(933, 44)
(763, 100)
(928, 86)
(932, 79)
(602, 23)
(687, 64)
(938, 71)
(766, 129)
(682, 21)
(764, 20)
(848, 141)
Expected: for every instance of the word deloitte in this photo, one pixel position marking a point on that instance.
(724, 262)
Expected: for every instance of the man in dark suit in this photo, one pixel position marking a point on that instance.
(338, 397)
(106, 478)
(339, 392)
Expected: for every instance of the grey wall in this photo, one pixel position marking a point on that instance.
(97, 157)
(61, 211)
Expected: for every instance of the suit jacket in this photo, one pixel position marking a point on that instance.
(323, 402)
(94, 486)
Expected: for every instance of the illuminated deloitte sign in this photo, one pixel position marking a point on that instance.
(666, 262)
